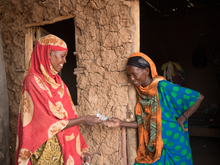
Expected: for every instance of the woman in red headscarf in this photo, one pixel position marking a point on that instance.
(47, 131)
(162, 111)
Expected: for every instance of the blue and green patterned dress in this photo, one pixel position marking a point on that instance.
(174, 100)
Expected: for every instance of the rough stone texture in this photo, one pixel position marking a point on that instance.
(4, 112)
(102, 32)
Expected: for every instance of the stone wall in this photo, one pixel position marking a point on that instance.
(105, 35)
(4, 112)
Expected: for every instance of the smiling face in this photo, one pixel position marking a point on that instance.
(138, 76)
(57, 59)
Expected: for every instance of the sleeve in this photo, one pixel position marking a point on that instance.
(176, 98)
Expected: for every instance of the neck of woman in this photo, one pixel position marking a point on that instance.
(147, 81)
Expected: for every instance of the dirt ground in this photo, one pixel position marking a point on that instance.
(205, 150)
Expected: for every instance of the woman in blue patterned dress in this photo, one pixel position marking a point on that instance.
(162, 112)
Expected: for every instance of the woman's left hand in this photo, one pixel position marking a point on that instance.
(86, 159)
(181, 120)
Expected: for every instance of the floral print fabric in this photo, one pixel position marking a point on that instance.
(46, 107)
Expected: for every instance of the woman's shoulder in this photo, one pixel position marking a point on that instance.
(30, 80)
(166, 84)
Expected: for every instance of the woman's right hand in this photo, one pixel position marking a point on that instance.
(91, 120)
(180, 121)
(112, 122)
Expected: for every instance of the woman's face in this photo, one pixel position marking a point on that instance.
(57, 59)
(138, 76)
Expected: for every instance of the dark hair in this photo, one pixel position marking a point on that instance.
(139, 62)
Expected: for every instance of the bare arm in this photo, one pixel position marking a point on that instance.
(132, 124)
(115, 122)
(185, 115)
(194, 107)
(88, 120)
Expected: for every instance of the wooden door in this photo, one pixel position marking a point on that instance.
(32, 36)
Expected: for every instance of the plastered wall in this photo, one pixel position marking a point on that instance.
(105, 35)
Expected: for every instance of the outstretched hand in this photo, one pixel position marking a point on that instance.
(112, 122)
(180, 121)
(91, 120)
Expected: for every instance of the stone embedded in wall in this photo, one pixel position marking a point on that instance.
(97, 158)
(88, 56)
(111, 2)
(85, 64)
(114, 24)
(79, 8)
(51, 9)
(104, 31)
(120, 111)
(38, 12)
(121, 96)
(101, 17)
(93, 31)
(118, 66)
(111, 41)
(95, 79)
(100, 133)
(109, 107)
(98, 61)
(80, 20)
(96, 69)
(126, 22)
(111, 92)
(113, 10)
(66, 7)
(95, 47)
(108, 57)
(122, 78)
(83, 2)
(111, 136)
(122, 65)
(113, 78)
(106, 150)
(83, 81)
(100, 3)
(88, 10)
(93, 5)
(124, 13)
(125, 34)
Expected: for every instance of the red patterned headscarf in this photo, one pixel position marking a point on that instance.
(46, 107)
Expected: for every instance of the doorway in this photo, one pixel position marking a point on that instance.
(66, 31)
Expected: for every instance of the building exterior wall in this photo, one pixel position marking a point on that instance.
(4, 111)
(107, 32)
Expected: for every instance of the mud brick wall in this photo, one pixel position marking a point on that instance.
(105, 38)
